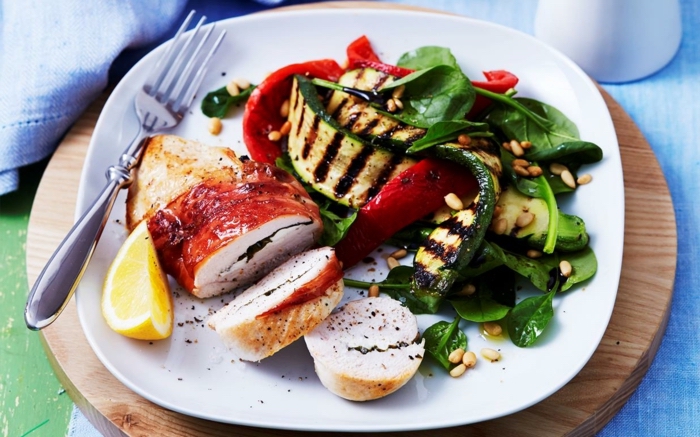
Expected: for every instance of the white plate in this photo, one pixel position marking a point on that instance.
(193, 374)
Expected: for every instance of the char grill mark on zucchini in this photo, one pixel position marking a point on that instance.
(453, 243)
(364, 120)
(335, 162)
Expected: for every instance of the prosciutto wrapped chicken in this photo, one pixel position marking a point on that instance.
(218, 223)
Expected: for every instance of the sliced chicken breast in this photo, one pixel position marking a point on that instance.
(285, 305)
(367, 349)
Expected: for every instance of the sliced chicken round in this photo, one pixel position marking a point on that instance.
(285, 305)
(367, 349)
(219, 223)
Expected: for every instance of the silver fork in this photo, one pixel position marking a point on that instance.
(160, 104)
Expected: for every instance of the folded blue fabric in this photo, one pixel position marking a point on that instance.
(54, 60)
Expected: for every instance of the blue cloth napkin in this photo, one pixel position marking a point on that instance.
(64, 51)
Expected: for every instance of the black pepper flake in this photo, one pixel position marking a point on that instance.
(180, 324)
(188, 341)
(198, 320)
(179, 379)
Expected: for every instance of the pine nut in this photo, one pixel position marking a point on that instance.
(507, 147)
(467, 290)
(215, 125)
(398, 92)
(374, 291)
(499, 226)
(464, 139)
(456, 356)
(275, 135)
(525, 144)
(490, 354)
(515, 147)
(493, 328)
(398, 254)
(454, 202)
(458, 371)
(232, 88)
(286, 128)
(534, 171)
(242, 83)
(565, 268)
(497, 211)
(524, 219)
(584, 179)
(284, 109)
(568, 179)
(521, 171)
(398, 103)
(391, 105)
(532, 253)
(469, 359)
(391, 262)
(520, 162)
(557, 169)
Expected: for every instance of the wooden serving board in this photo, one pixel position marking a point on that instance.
(582, 407)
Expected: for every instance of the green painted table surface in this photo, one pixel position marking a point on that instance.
(32, 401)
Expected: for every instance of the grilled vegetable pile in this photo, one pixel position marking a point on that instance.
(459, 172)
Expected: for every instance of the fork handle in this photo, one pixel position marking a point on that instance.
(61, 275)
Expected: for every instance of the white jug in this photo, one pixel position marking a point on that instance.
(612, 40)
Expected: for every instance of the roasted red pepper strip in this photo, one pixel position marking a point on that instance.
(361, 49)
(361, 55)
(416, 192)
(262, 111)
(498, 81)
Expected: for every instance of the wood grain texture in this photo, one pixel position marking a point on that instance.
(580, 408)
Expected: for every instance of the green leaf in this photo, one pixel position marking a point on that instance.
(439, 93)
(529, 318)
(584, 265)
(418, 301)
(426, 57)
(334, 226)
(572, 154)
(530, 120)
(445, 131)
(493, 299)
(442, 338)
(217, 102)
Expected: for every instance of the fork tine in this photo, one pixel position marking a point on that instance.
(156, 76)
(174, 94)
(184, 100)
(170, 72)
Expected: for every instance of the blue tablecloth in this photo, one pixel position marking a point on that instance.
(665, 106)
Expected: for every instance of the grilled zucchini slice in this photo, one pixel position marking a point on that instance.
(333, 161)
(571, 230)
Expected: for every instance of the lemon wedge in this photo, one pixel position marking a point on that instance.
(136, 298)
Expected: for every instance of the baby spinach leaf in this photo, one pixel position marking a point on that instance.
(445, 131)
(584, 265)
(434, 94)
(494, 297)
(334, 226)
(528, 319)
(426, 57)
(442, 338)
(217, 102)
(488, 257)
(398, 286)
(572, 154)
(530, 120)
